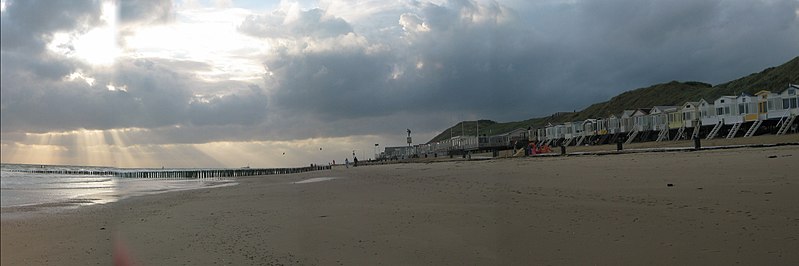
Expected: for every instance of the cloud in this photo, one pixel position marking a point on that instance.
(295, 23)
(28, 25)
(154, 96)
(145, 12)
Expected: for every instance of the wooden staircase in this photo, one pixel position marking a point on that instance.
(631, 136)
(664, 134)
(786, 124)
(714, 131)
(695, 134)
(567, 142)
(680, 132)
(753, 129)
(734, 130)
(580, 140)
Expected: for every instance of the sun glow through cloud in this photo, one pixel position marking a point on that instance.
(97, 46)
(204, 35)
(119, 148)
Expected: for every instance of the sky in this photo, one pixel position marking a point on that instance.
(289, 83)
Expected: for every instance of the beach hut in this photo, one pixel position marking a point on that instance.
(517, 135)
(541, 134)
(769, 105)
(707, 113)
(660, 116)
(613, 124)
(689, 114)
(642, 121)
(551, 133)
(726, 107)
(675, 118)
(790, 100)
(660, 120)
(589, 127)
(762, 103)
(568, 131)
(601, 126)
(744, 110)
(627, 122)
(747, 107)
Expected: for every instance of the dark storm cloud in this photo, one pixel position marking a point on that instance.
(518, 62)
(445, 59)
(153, 96)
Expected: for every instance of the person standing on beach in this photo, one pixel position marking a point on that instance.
(347, 162)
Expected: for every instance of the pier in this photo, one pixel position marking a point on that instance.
(177, 173)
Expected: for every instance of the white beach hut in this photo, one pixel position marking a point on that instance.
(790, 99)
(726, 107)
(642, 121)
(614, 124)
(707, 113)
(747, 107)
(660, 116)
(627, 122)
(689, 113)
(769, 105)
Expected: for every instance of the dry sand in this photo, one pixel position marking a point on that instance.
(725, 207)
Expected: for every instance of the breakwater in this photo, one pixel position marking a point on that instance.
(174, 173)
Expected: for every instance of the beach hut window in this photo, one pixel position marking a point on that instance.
(785, 104)
(743, 108)
(793, 103)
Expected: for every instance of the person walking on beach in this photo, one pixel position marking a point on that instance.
(347, 162)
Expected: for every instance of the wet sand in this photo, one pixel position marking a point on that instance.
(723, 207)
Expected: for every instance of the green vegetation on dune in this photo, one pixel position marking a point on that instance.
(675, 93)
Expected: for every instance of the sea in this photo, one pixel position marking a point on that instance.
(23, 185)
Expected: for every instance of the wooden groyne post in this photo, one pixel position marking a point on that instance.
(180, 174)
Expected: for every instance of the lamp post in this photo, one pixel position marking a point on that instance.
(409, 137)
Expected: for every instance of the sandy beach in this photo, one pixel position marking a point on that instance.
(720, 207)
